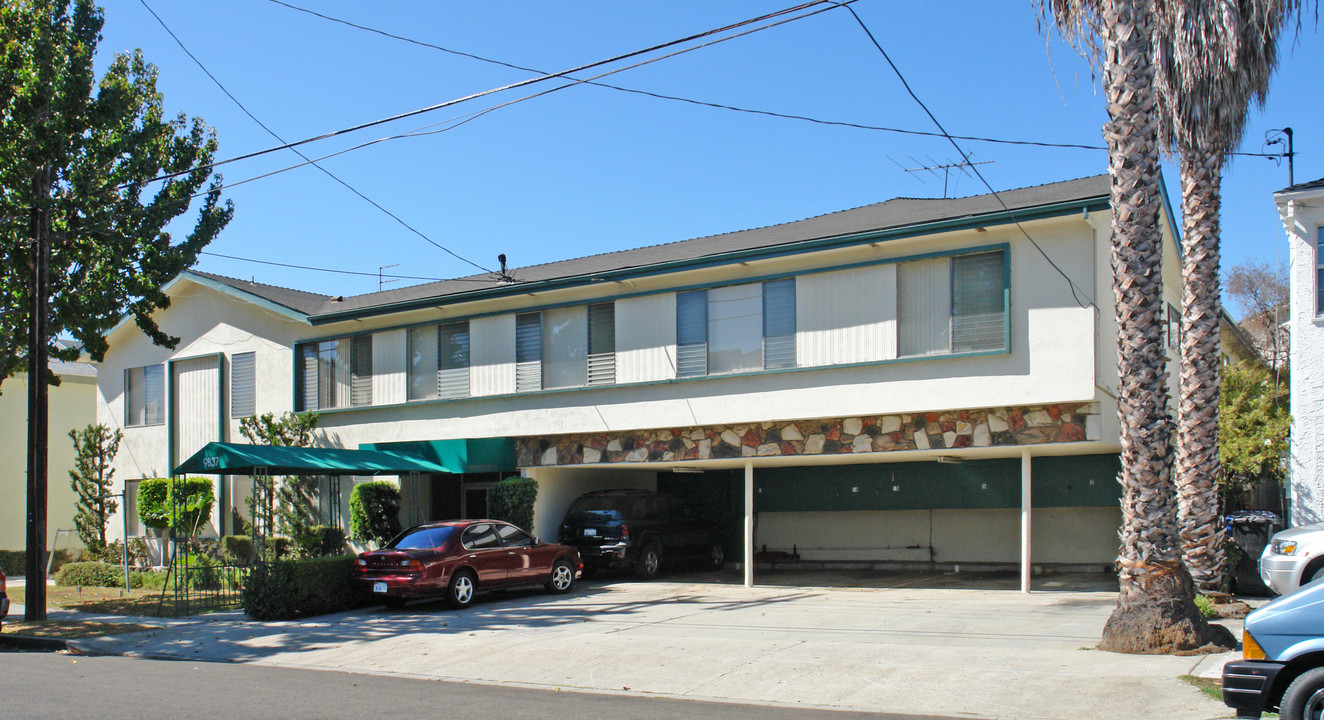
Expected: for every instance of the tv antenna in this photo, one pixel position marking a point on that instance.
(946, 169)
(381, 279)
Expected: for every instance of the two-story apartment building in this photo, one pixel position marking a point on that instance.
(1302, 209)
(919, 381)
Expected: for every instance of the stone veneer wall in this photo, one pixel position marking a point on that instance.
(1007, 426)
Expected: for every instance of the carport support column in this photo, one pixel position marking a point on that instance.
(749, 524)
(1025, 520)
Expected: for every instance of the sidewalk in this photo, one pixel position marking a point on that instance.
(976, 653)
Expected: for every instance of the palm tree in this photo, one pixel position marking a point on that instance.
(1211, 60)
(1155, 610)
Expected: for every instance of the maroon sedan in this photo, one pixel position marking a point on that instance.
(459, 558)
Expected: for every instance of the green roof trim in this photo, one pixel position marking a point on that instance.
(220, 458)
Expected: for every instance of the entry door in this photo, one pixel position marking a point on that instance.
(195, 405)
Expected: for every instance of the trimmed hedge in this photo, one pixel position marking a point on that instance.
(13, 562)
(512, 500)
(288, 589)
(374, 511)
(321, 541)
(90, 574)
(237, 549)
(155, 502)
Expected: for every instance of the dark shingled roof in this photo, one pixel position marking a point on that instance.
(890, 215)
(297, 300)
(1312, 185)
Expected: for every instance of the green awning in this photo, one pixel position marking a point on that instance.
(233, 459)
(463, 455)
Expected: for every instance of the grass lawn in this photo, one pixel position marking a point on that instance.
(110, 601)
(71, 629)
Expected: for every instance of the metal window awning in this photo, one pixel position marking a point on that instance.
(219, 458)
(461, 455)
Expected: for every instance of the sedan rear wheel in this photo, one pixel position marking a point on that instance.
(460, 592)
(562, 578)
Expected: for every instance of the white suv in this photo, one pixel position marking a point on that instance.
(1293, 558)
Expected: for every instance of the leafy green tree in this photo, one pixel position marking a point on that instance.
(289, 506)
(1253, 425)
(94, 447)
(85, 155)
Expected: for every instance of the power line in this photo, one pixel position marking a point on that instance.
(469, 117)
(296, 151)
(966, 157)
(339, 272)
(511, 86)
(707, 103)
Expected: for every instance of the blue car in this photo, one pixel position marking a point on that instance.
(1282, 669)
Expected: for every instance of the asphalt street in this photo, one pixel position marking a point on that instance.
(49, 685)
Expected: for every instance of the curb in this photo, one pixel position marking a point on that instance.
(28, 642)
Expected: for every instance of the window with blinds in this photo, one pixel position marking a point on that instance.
(144, 395)
(360, 371)
(692, 333)
(243, 385)
(334, 373)
(602, 343)
(453, 360)
(528, 352)
(953, 304)
(779, 324)
(979, 311)
(736, 328)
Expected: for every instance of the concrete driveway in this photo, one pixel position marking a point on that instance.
(926, 644)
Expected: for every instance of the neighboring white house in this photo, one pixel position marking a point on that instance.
(72, 406)
(1302, 210)
(919, 381)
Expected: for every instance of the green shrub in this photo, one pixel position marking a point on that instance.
(237, 549)
(113, 553)
(288, 589)
(90, 574)
(512, 500)
(156, 500)
(148, 579)
(321, 541)
(13, 562)
(1206, 607)
(62, 557)
(374, 511)
(203, 571)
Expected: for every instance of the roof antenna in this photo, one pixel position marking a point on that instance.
(504, 275)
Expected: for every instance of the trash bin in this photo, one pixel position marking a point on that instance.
(1252, 530)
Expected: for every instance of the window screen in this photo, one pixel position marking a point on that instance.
(602, 343)
(360, 373)
(565, 347)
(423, 362)
(978, 305)
(923, 307)
(528, 352)
(779, 324)
(692, 333)
(453, 360)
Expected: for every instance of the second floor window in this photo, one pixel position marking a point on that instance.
(335, 373)
(953, 304)
(439, 361)
(144, 395)
(736, 328)
(565, 347)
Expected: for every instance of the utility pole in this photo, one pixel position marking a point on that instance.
(34, 598)
(1290, 154)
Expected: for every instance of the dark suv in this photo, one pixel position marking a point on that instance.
(640, 530)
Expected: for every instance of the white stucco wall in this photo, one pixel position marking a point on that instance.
(72, 406)
(1303, 216)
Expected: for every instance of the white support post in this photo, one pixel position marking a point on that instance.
(1025, 520)
(749, 523)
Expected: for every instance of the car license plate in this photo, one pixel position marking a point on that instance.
(590, 532)
(379, 587)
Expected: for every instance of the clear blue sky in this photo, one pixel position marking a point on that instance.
(587, 169)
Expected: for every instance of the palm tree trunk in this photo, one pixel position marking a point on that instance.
(1155, 610)
(1197, 410)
